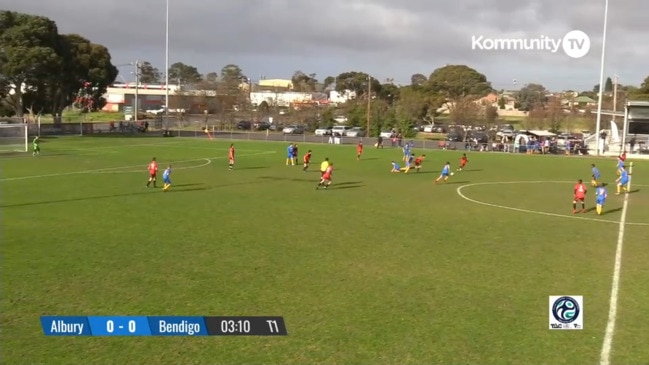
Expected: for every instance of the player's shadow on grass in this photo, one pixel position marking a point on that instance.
(590, 209)
(454, 182)
(346, 186)
(252, 168)
(611, 211)
(148, 191)
(184, 185)
(369, 158)
(472, 170)
(277, 178)
(634, 191)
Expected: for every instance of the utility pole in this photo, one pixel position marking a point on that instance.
(137, 88)
(615, 81)
(369, 103)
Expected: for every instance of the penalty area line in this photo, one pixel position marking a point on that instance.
(110, 169)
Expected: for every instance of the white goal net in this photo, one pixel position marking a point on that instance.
(14, 137)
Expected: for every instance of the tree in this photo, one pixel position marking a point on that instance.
(230, 86)
(418, 80)
(357, 82)
(554, 115)
(458, 82)
(28, 54)
(641, 93)
(328, 81)
(530, 95)
(501, 102)
(211, 77)
(461, 86)
(490, 114)
(303, 82)
(64, 68)
(608, 85)
(184, 74)
(148, 74)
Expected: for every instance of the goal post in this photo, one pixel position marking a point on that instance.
(14, 137)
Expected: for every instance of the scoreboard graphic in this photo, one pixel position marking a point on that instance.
(162, 326)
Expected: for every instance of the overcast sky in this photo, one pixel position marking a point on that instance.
(388, 39)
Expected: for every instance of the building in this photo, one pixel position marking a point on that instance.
(341, 97)
(276, 83)
(149, 96)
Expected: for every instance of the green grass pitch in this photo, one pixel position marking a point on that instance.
(380, 269)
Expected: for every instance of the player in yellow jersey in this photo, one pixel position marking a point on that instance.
(324, 165)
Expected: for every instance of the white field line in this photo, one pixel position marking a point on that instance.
(139, 171)
(108, 169)
(463, 196)
(607, 345)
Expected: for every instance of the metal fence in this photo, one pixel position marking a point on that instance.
(227, 131)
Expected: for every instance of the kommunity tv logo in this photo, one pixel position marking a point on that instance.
(575, 44)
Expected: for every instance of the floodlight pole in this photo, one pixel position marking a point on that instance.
(137, 88)
(167, 66)
(369, 104)
(600, 98)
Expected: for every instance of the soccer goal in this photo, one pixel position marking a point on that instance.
(14, 137)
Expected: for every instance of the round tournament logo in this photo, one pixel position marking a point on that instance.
(565, 310)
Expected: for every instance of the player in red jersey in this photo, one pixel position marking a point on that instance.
(359, 150)
(231, 157)
(463, 161)
(306, 160)
(418, 161)
(153, 172)
(326, 177)
(580, 197)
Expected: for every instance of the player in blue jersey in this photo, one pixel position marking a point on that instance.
(395, 167)
(620, 165)
(622, 181)
(600, 198)
(595, 176)
(166, 178)
(410, 162)
(290, 155)
(406, 152)
(446, 171)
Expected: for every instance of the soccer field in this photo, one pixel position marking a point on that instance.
(382, 268)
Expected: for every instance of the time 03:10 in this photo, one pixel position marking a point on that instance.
(232, 326)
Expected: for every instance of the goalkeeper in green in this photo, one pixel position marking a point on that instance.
(36, 146)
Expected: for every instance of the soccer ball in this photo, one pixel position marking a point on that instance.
(452, 173)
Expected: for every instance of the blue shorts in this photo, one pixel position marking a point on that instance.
(600, 201)
(444, 174)
(167, 180)
(624, 182)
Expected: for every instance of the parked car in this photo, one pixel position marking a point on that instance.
(430, 128)
(339, 130)
(293, 129)
(355, 132)
(244, 125)
(162, 109)
(386, 134)
(323, 132)
(454, 137)
(262, 126)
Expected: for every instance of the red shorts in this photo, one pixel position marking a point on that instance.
(580, 198)
(326, 177)
(152, 174)
(462, 164)
(359, 151)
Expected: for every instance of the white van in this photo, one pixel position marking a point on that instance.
(340, 129)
